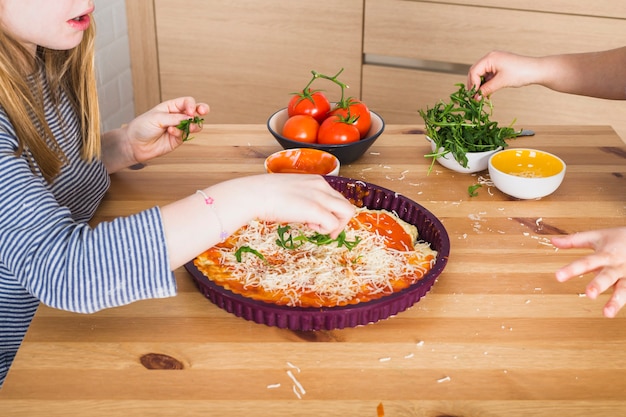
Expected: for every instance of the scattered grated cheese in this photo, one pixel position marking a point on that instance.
(485, 181)
(292, 366)
(296, 384)
(273, 386)
(444, 379)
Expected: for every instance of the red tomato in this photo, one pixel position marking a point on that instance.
(359, 111)
(302, 128)
(312, 103)
(334, 131)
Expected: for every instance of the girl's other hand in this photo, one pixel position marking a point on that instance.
(154, 133)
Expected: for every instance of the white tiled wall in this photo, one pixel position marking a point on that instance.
(115, 87)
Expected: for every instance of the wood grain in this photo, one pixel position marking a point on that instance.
(142, 42)
(600, 8)
(496, 336)
(451, 32)
(246, 57)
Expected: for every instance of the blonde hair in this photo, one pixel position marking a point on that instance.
(69, 72)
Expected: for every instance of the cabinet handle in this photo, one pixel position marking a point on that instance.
(415, 64)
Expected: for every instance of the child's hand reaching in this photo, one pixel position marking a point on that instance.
(609, 260)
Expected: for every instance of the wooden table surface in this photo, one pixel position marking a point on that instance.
(496, 336)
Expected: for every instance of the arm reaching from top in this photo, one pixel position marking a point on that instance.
(594, 74)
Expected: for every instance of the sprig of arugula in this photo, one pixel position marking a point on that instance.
(287, 241)
(184, 126)
(472, 190)
(248, 249)
(463, 125)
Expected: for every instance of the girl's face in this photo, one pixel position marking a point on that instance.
(54, 24)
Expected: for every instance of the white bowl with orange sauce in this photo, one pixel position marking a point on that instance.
(526, 173)
(302, 161)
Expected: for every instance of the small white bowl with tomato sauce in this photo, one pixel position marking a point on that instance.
(302, 161)
(346, 153)
(526, 173)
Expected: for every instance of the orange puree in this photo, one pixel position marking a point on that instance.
(385, 225)
(302, 161)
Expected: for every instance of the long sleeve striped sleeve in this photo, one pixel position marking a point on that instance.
(48, 251)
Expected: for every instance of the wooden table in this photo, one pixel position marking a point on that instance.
(496, 336)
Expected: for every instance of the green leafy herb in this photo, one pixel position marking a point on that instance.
(463, 125)
(184, 125)
(341, 241)
(287, 241)
(472, 190)
(248, 249)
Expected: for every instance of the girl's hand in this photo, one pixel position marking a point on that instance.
(609, 260)
(288, 198)
(297, 198)
(154, 133)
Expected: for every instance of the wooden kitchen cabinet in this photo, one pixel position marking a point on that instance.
(415, 51)
(245, 57)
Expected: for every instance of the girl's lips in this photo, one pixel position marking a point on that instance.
(80, 23)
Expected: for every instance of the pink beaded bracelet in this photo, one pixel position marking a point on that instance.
(209, 202)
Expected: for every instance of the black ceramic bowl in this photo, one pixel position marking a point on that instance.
(346, 153)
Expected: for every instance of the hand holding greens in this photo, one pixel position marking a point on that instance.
(462, 125)
(184, 125)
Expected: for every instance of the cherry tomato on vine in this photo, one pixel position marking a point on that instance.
(356, 110)
(302, 128)
(312, 103)
(335, 130)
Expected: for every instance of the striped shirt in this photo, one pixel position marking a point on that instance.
(48, 251)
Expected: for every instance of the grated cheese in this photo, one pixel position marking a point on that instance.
(444, 379)
(296, 383)
(328, 271)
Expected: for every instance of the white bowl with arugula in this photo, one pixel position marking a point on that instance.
(476, 161)
(461, 134)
